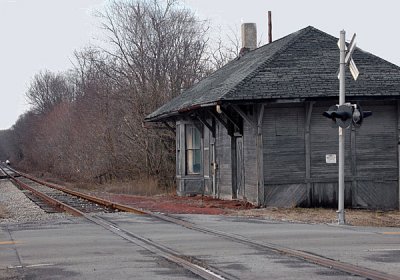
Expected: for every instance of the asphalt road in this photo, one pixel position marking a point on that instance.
(75, 248)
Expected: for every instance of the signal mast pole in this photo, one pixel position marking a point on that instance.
(342, 96)
(345, 114)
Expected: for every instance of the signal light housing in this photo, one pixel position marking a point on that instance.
(341, 115)
(330, 115)
(359, 115)
(345, 115)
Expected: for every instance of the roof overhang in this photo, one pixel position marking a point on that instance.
(186, 110)
(169, 115)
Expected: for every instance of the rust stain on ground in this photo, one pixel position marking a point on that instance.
(174, 204)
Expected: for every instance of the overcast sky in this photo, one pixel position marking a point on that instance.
(42, 34)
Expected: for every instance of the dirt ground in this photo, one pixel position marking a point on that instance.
(205, 205)
(3, 212)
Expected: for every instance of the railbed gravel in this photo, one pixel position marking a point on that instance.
(17, 208)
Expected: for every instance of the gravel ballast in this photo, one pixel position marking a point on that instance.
(15, 207)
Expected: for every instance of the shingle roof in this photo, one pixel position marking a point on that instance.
(303, 64)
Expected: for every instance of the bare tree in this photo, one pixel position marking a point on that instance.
(157, 50)
(47, 90)
(223, 48)
(88, 122)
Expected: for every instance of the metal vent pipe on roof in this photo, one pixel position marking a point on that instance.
(269, 27)
(249, 36)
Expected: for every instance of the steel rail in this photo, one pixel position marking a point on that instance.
(94, 199)
(305, 256)
(203, 271)
(3, 174)
(54, 202)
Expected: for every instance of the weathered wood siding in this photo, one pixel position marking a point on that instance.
(250, 162)
(284, 156)
(325, 140)
(377, 159)
(376, 144)
(296, 139)
(371, 158)
(371, 166)
(283, 134)
(223, 159)
(206, 153)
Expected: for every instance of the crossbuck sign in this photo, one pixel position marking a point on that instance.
(349, 59)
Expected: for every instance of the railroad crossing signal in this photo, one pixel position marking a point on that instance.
(346, 114)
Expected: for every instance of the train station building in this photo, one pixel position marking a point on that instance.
(253, 130)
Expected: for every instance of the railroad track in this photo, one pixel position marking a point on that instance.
(197, 267)
(6, 171)
(79, 204)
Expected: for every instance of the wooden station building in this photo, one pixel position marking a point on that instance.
(254, 129)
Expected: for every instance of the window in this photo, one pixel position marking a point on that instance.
(193, 151)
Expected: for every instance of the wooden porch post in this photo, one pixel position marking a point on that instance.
(260, 158)
(398, 147)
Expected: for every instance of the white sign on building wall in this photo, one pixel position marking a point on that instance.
(330, 158)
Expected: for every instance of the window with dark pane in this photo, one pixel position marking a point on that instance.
(193, 151)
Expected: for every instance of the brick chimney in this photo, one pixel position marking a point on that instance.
(249, 37)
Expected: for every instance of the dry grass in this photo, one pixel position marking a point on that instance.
(374, 218)
(143, 186)
(3, 212)
(319, 215)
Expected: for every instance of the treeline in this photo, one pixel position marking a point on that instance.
(87, 123)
